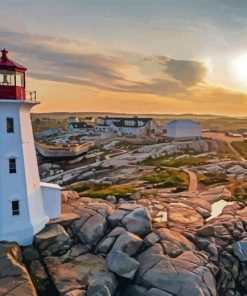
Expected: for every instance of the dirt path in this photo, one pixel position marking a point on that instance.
(236, 152)
(192, 181)
(109, 156)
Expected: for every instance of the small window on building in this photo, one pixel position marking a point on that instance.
(15, 208)
(10, 125)
(12, 166)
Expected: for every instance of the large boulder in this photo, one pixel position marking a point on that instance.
(122, 264)
(76, 292)
(138, 221)
(45, 167)
(53, 239)
(39, 276)
(116, 217)
(157, 292)
(93, 230)
(240, 249)
(203, 207)
(128, 243)
(174, 243)
(77, 273)
(236, 169)
(69, 196)
(151, 239)
(135, 290)
(14, 278)
(104, 284)
(30, 253)
(189, 274)
(107, 242)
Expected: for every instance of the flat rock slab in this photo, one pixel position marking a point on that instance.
(53, 239)
(77, 273)
(184, 215)
(188, 274)
(173, 242)
(129, 207)
(64, 218)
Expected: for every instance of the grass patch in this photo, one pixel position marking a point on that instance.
(103, 191)
(117, 190)
(228, 153)
(78, 187)
(211, 179)
(241, 147)
(238, 190)
(186, 161)
(168, 179)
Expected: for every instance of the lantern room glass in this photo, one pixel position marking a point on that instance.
(11, 78)
(19, 78)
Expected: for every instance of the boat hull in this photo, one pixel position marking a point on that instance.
(62, 153)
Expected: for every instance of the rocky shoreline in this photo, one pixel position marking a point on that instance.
(103, 248)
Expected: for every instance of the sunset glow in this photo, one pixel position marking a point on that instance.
(240, 68)
(99, 55)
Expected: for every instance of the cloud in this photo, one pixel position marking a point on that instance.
(104, 71)
(82, 63)
(160, 87)
(188, 72)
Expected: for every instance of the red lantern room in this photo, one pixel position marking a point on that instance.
(12, 79)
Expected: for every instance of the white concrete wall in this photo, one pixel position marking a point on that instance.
(52, 199)
(184, 129)
(23, 186)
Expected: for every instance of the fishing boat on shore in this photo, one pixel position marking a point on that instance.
(63, 150)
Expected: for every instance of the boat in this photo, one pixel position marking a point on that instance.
(63, 151)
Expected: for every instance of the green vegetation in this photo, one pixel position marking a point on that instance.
(211, 179)
(185, 161)
(79, 187)
(40, 124)
(241, 147)
(228, 153)
(168, 179)
(238, 190)
(101, 191)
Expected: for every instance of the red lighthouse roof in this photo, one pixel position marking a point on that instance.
(6, 63)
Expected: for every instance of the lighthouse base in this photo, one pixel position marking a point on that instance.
(25, 233)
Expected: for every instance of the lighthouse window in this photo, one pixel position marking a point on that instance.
(20, 79)
(15, 208)
(7, 78)
(10, 125)
(12, 166)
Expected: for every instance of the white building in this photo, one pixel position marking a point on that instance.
(183, 129)
(72, 119)
(129, 126)
(26, 205)
(80, 127)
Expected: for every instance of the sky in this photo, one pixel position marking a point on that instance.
(131, 56)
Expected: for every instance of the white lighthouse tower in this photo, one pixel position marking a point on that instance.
(26, 205)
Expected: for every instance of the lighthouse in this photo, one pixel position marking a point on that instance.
(26, 204)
